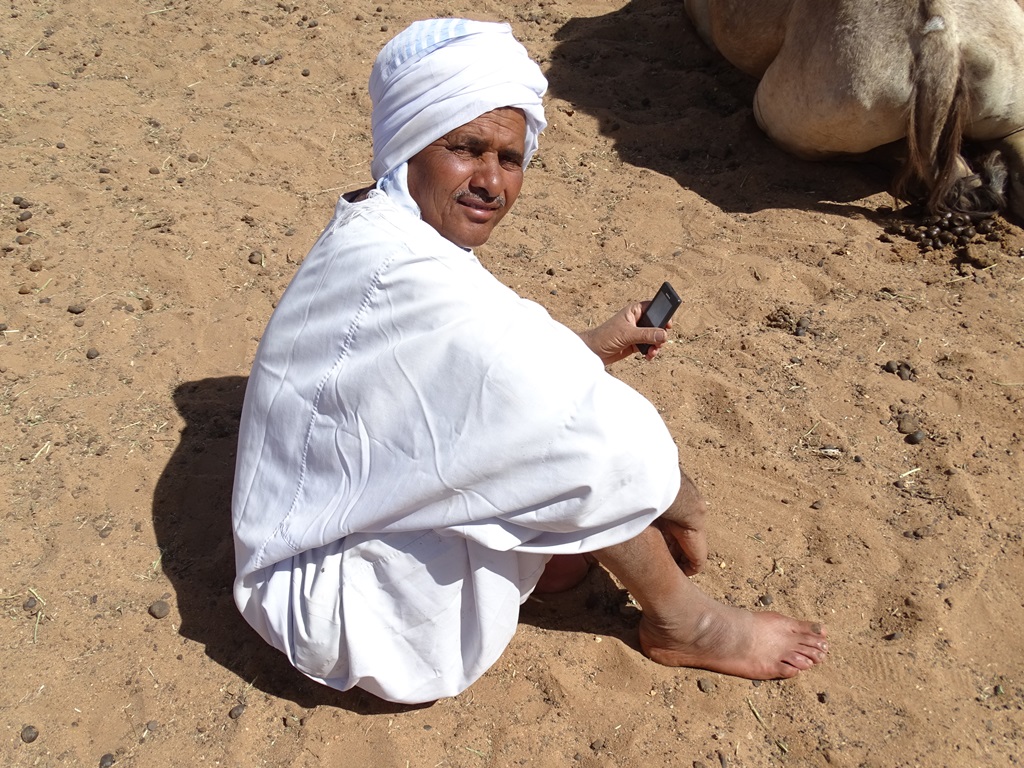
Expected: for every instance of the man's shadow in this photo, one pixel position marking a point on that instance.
(674, 106)
(192, 520)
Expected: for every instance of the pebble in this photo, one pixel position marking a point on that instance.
(597, 745)
(35, 266)
(819, 504)
(76, 309)
(107, 760)
(30, 604)
(765, 600)
(907, 423)
(894, 636)
(24, 215)
(305, 73)
(236, 711)
(154, 170)
(917, 437)
(823, 697)
(92, 353)
(152, 726)
(706, 685)
(256, 257)
(159, 609)
(29, 734)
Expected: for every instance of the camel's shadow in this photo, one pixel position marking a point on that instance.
(672, 105)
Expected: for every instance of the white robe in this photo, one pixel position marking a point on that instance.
(416, 441)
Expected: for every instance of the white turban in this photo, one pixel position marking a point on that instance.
(440, 74)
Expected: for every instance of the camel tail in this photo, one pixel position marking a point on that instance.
(937, 113)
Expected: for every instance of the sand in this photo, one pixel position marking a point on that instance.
(178, 160)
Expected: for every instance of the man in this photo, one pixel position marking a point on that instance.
(419, 446)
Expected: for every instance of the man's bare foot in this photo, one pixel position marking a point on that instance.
(563, 572)
(709, 635)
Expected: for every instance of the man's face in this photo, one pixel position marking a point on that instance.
(466, 181)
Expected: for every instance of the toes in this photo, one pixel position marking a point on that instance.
(799, 660)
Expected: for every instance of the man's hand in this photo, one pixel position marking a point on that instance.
(617, 338)
(683, 527)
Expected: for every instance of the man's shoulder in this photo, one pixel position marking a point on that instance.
(368, 213)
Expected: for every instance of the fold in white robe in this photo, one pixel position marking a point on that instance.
(416, 442)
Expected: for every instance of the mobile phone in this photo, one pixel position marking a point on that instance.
(664, 304)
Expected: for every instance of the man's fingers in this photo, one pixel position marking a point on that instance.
(687, 546)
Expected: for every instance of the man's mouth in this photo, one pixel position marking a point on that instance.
(476, 202)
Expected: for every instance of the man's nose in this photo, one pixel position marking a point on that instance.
(486, 179)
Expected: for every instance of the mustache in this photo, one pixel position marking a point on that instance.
(499, 200)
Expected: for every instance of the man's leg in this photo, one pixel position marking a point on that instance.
(683, 627)
(562, 572)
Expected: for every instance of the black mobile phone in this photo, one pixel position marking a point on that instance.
(664, 304)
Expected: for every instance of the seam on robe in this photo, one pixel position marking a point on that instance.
(373, 287)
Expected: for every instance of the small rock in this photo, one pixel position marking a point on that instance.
(765, 600)
(29, 734)
(907, 423)
(893, 636)
(152, 726)
(256, 257)
(916, 438)
(823, 697)
(819, 504)
(76, 309)
(92, 353)
(193, 157)
(24, 215)
(706, 685)
(147, 304)
(155, 171)
(107, 760)
(597, 745)
(30, 604)
(159, 609)
(236, 711)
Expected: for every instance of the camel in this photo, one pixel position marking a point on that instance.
(844, 77)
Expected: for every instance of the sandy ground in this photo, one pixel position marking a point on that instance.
(178, 159)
